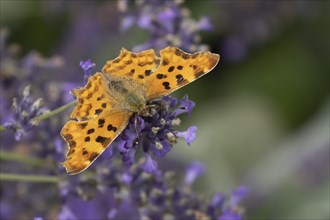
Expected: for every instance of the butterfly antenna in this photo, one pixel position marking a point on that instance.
(135, 126)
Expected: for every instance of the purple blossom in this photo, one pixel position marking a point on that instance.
(168, 24)
(188, 135)
(149, 165)
(154, 134)
(25, 115)
(128, 192)
(87, 66)
(195, 170)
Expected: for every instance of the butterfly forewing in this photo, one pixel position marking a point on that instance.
(93, 99)
(136, 66)
(177, 69)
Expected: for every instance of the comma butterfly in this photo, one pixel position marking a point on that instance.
(123, 88)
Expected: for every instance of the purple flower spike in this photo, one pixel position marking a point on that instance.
(87, 66)
(155, 133)
(194, 170)
(188, 135)
(149, 165)
(168, 24)
(26, 112)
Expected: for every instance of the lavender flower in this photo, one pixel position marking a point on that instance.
(167, 23)
(25, 114)
(127, 192)
(154, 134)
(87, 67)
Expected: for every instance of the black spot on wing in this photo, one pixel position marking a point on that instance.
(83, 125)
(98, 111)
(90, 131)
(165, 62)
(111, 128)
(179, 78)
(101, 139)
(166, 85)
(101, 122)
(170, 69)
(147, 72)
(161, 76)
(93, 156)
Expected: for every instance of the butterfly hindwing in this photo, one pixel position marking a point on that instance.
(88, 139)
(136, 66)
(178, 68)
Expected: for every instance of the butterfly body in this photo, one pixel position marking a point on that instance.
(129, 95)
(123, 88)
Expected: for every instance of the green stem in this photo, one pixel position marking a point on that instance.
(56, 111)
(28, 178)
(49, 114)
(8, 156)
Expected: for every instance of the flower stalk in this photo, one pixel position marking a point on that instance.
(28, 178)
(48, 114)
(9, 156)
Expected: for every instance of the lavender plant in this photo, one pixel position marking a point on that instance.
(110, 189)
(167, 23)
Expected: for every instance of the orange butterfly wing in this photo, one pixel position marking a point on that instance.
(100, 121)
(136, 66)
(178, 68)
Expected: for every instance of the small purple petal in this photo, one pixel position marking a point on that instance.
(172, 101)
(185, 106)
(217, 199)
(238, 194)
(128, 157)
(149, 165)
(126, 178)
(204, 24)
(112, 213)
(120, 145)
(160, 149)
(127, 23)
(37, 218)
(194, 170)
(189, 135)
(66, 214)
(87, 66)
(167, 17)
(109, 152)
(144, 22)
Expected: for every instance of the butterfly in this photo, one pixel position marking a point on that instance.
(123, 88)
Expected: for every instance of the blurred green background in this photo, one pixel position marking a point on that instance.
(263, 120)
